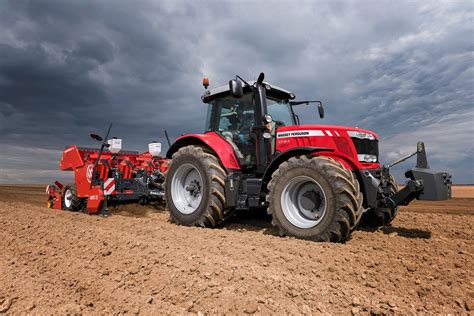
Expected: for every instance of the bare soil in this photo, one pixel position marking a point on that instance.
(135, 261)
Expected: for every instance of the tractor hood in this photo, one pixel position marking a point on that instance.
(327, 130)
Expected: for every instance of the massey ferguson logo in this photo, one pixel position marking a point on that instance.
(89, 171)
(293, 134)
(307, 133)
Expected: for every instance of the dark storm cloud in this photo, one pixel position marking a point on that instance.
(68, 68)
(77, 66)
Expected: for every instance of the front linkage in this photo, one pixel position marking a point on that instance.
(424, 183)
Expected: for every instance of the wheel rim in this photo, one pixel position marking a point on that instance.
(303, 202)
(186, 188)
(68, 198)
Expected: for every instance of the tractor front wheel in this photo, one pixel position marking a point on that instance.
(314, 198)
(71, 202)
(194, 188)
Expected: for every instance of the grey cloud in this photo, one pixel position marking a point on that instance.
(403, 69)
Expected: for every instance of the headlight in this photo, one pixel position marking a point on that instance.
(367, 158)
(361, 135)
(268, 118)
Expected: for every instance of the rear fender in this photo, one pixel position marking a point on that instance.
(217, 144)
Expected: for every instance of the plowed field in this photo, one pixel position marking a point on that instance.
(135, 261)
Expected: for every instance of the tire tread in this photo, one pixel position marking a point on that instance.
(344, 185)
(216, 211)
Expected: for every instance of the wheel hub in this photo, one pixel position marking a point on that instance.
(186, 188)
(68, 198)
(194, 188)
(311, 200)
(303, 202)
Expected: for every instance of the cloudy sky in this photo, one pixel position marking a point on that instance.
(68, 68)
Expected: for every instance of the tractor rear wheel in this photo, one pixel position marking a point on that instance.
(71, 202)
(376, 217)
(314, 198)
(194, 188)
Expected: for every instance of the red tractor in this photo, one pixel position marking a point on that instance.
(317, 182)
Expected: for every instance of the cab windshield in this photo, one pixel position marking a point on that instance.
(237, 114)
(280, 111)
(234, 118)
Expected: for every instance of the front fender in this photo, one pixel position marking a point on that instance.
(343, 159)
(217, 144)
(284, 156)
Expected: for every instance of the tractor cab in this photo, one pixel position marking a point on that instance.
(249, 118)
(234, 118)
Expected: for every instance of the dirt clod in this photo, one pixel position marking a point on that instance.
(306, 310)
(251, 308)
(5, 305)
(356, 301)
(469, 305)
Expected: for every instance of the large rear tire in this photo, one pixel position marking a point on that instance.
(377, 217)
(71, 202)
(194, 188)
(314, 198)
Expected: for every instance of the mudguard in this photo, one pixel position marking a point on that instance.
(284, 156)
(212, 140)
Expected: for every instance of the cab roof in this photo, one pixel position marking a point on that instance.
(223, 91)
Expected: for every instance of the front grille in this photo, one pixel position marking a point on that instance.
(366, 146)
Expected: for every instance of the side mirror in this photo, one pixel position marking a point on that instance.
(236, 89)
(96, 137)
(321, 110)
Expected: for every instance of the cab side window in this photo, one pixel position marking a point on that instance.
(224, 122)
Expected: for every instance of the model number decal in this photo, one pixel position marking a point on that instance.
(300, 134)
